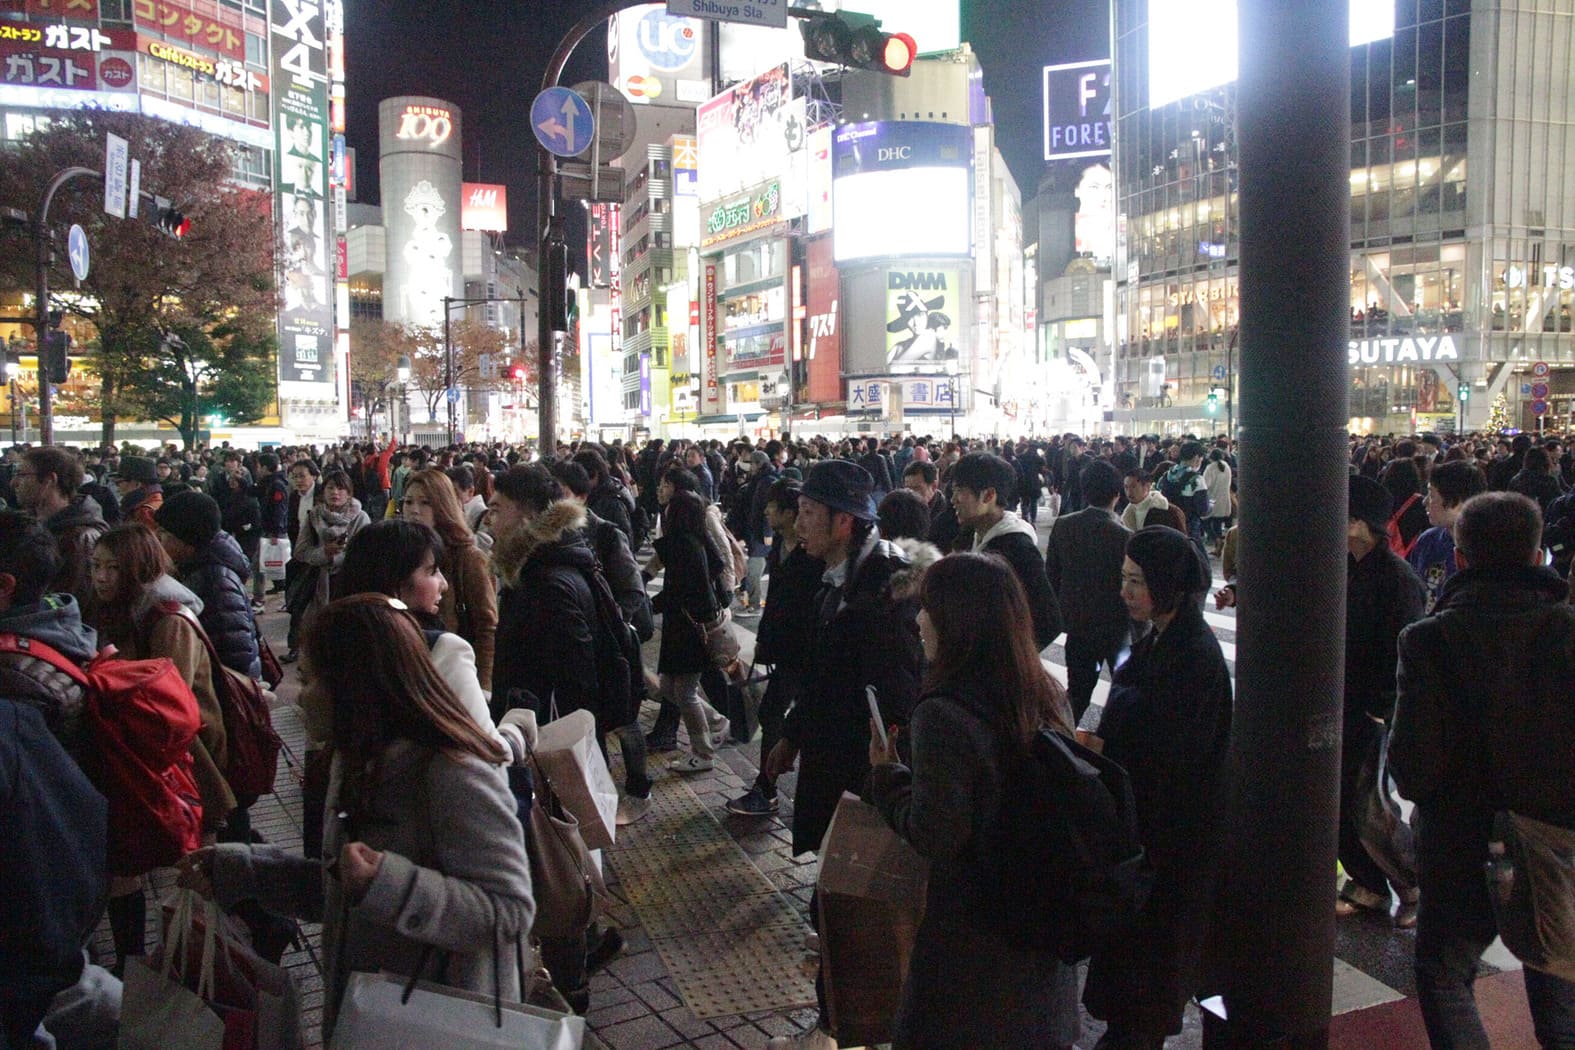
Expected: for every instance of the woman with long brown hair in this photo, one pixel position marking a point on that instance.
(470, 605)
(145, 612)
(986, 696)
(428, 852)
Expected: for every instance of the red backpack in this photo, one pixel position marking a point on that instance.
(251, 744)
(142, 718)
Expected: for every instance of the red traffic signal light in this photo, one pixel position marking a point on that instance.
(898, 55)
(856, 41)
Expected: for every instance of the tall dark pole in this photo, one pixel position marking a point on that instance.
(448, 364)
(44, 256)
(1277, 916)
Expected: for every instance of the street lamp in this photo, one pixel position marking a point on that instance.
(403, 374)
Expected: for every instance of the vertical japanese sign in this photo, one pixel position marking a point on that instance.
(711, 399)
(300, 118)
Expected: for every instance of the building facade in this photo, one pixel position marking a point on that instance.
(1462, 222)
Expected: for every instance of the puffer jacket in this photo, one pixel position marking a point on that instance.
(217, 575)
(76, 529)
(546, 640)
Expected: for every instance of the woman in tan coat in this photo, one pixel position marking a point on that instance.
(470, 605)
(144, 612)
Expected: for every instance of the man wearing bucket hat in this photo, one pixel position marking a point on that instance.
(866, 634)
(137, 482)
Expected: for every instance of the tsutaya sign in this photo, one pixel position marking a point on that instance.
(1400, 349)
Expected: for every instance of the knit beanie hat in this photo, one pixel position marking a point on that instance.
(191, 517)
(1371, 502)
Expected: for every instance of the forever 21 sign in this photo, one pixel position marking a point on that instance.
(430, 123)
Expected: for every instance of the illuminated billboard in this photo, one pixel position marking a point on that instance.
(658, 59)
(751, 133)
(1193, 45)
(901, 188)
(921, 317)
(484, 207)
(1077, 110)
(300, 120)
(419, 173)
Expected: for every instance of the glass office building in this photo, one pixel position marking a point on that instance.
(1462, 223)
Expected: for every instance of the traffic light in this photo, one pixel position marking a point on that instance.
(559, 296)
(1465, 393)
(1213, 406)
(517, 373)
(856, 41)
(167, 220)
(57, 360)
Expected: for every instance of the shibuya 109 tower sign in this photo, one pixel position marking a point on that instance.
(420, 177)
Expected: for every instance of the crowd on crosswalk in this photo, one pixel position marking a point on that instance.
(881, 611)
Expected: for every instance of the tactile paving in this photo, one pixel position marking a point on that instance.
(730, 941)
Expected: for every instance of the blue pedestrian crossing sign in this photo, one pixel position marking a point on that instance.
(562, 122)
(453, 395)
(1219, 371)
(77, 250)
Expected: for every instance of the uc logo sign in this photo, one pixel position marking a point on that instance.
(667, 41)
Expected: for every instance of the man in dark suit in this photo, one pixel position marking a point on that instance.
(1084, 565)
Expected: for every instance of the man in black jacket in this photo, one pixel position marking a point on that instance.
(866, 634)
(1484, 722)
(46, 483)
(273, 499)
(981, 482)
(786, 636)
(1083, 562)
(1383, 595)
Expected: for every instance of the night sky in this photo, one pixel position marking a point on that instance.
(487, 57)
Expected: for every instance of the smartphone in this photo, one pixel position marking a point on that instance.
(880, 725)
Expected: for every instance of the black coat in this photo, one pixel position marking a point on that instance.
(1485, 717)
(273, 497)
(786, 635)
(686, 601)
(1083, 561)
(546, 641)
(217, 574)
(967, 986)
(1168, 724)
(1022, 553)
(610, 501)
(1383, 594)
(865, 634)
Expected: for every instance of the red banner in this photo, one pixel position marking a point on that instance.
(200, 30)
(823, 337)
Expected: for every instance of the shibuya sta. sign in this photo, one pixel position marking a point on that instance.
(1403, 349)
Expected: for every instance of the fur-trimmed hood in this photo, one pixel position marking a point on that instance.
(559, 524)
(905, 582)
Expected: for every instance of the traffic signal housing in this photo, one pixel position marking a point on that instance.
(56, 355)
(1213, 405)
(1465, 392)
(167, 219)
(856, 41)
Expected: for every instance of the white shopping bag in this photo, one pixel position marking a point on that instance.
(568, 753)
(375, 1015)
(274, 555)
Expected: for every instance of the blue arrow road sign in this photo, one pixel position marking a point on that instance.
(1219, 371)
(77, 249)
(453, 395)
(562, 122)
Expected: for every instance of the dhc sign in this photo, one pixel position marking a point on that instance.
(1399, 350)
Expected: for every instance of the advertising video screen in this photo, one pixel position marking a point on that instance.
(901, 188)
(1193, 45)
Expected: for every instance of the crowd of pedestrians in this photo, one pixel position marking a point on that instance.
(444, 605)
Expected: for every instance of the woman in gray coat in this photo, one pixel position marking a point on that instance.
(428, 852)
(986, 695)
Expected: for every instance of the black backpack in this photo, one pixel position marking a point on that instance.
(1063, 864)
(617, 655)
(1558, 533)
